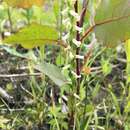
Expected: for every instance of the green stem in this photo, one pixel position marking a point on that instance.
(10, 20)
(28, 16)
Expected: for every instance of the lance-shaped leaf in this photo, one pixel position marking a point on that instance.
(34, 35)
(127, 50)
(24, 3)
(113, 21)
(53, 72)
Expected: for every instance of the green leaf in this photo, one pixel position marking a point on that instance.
(56, 8)
(53, 72)
(113, 21)
(60, 60)
(34, 35)
(11, 50)
(127, 50)
(127, 107)
(24, 3)
(106, 66)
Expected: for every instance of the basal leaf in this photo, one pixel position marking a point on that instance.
(33, 35)
(24, 3)
(113, 21)
(53, 72)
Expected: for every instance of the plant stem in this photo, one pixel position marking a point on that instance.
(71, 121)
(71, 115)
(10, 20)
(28, 17)
(79, 24)
(61, 18)
(77, 50)
(78, 64)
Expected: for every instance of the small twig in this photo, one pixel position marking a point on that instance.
(5, 95)
(24, 89)
(122, 60)
(13, 110)
(88, 54)
(90, 29)
(86, 57)
(84, 9)
(98, 69)
(19, 75)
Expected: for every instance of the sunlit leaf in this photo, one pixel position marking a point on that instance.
(33, 35)
(113, 21)
(127, 50)
(24, 3)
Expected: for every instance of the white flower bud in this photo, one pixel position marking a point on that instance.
(77, 43)
(65, 11)
(79, 57)
(78, 29)
(75, 15)
(75, 75)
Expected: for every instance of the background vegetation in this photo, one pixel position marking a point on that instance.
(64, 65)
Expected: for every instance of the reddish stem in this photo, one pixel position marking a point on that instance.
(78, 65)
